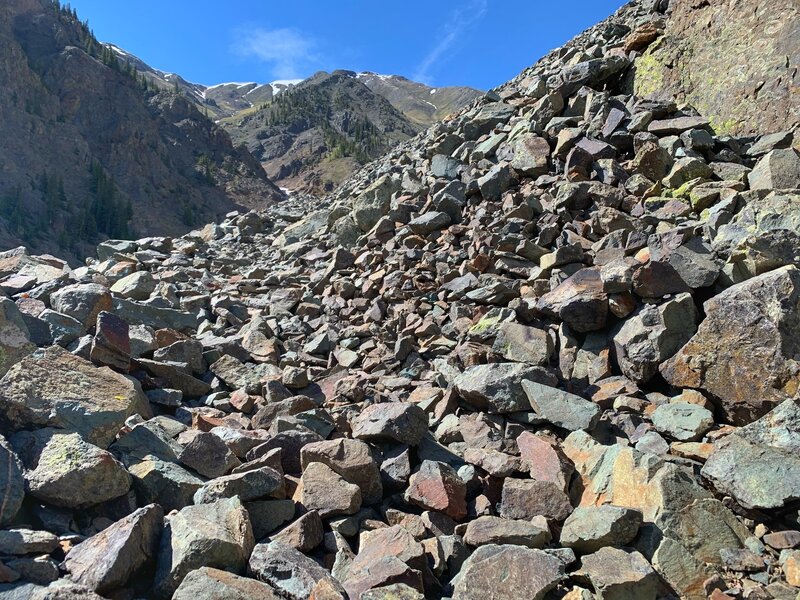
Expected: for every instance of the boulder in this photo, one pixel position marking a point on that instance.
(401, 422)
(505, 571)
(15, 339)
(497, 387)
(327, 492)
(352, 459)
(743, 352)
(290, 572)
(72, 473)
(108, 560)
(12, 483)
(207, 582)
(53, 388)
(590, 528)
(495, 530)
(561, 408)
(216, 535)
(436, 486)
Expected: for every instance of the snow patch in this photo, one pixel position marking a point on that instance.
(238, 84)
(433, 91)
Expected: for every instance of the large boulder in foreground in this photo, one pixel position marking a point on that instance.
(505, 571)
(743, 352)
(54, 388)
(759, 465)
(216, 535)
(106, 561)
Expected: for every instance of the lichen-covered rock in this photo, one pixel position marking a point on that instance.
(53, 388)
(744, 351)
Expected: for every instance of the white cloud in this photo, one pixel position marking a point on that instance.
(289, 53)
(451, 31)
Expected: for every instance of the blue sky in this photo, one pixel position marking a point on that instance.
(480, 43)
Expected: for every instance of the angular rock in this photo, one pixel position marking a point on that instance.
(26, 541)
(653, 334)
(72, 473)
(327, 492)
(111, 344)
(758, 465)
(616, 573)
(437, 486)
(391, 422)
(590, 528)
(53, 388)
(352, 459)
(494, 530)
(290, 572)
(682, 421)
(109, 559)
(208, 455)
(497, 387)
(15, 339)
(12, 483)
(779, 169)
(580, 301)
(207, 582)
(531, 155)
(215, 535)
(743, 352)
(249, 485)
(503, 571)
(82, 301)
(561, 408)
(529, 498)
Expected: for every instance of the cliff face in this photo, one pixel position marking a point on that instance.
(89, 152)
(736, 61)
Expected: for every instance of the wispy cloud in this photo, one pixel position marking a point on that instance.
(289, 52)
(456, 26)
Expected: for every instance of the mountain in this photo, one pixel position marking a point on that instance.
(549, 348)
(422, 104)
(89, 149)
(314, 153)
(320, 130)
(316, 134)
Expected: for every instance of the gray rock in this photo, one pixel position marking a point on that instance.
(495, 182)
(215, 535)
(327, 492)
(520, 343)
(249, 485)
(71, 473)
(758, 464)
(136, 286)
(620, 574)
(494, 530)
(208, 583)
(15, 339)
(53, 388)
(108, 560)
(288, 571)
(750, 369)
(531, 155)
(780, 169)
(374, 202)
(12, 483)
(444, 166)
(429, 222)
(391, 422)
(497, 387)
(504, 571)
(208, 455)
(162, 482)
(653, 334)
(529, 498)
(590, 528)
(27, 541)
(561, 408)
(82, 301)
(683, 421)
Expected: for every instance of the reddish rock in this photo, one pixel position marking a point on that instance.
(436, 486)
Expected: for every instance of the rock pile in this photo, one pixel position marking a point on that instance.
(547, 349)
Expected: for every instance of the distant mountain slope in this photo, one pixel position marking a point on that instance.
(88, 151)
(315, 134)
(422, 104)
(311, 135)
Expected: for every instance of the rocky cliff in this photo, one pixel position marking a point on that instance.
(547, 349)
(88, 152)
(735, 61)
